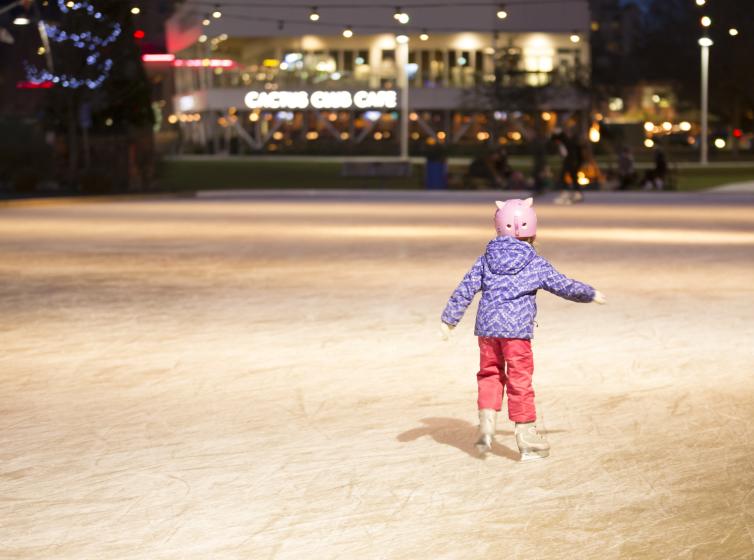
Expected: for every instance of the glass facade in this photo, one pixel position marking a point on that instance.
(537, 63)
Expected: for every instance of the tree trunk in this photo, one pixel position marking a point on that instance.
(736, 124)
(73, 147)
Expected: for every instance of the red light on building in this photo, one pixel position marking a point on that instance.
(157, 57)
(737, 132)
(34, 85)
(204, 62)
(139, 34)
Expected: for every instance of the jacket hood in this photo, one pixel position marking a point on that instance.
(508, 255)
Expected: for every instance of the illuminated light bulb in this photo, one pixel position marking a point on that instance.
(575, 38)
(401, 39)
(706, 21)
(313, 14)
(424, 36)
(732, 31)
(502, 13)
(594, 134)
(217, 14)
(135, 10)
(348, 32)
(202, 38)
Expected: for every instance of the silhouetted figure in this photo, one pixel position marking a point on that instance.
(656, 178)
(570, 149)
(626, 168)
(539, 170)
(492, 167)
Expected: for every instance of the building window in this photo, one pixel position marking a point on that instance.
(348, 57)
(362, 70)
(438, 68)
(425, 76)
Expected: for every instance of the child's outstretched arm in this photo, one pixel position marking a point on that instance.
(567, 288)
(463, 294)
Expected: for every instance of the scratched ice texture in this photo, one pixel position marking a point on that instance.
(261, 378)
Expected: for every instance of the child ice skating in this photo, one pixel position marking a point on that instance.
(509, 274)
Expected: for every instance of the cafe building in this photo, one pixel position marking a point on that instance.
(343, 78)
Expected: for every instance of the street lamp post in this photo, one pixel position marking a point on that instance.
(402, 64)
(705, 43)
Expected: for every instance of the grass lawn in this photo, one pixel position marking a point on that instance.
(184, 175)
(695, 179)
(179, 175)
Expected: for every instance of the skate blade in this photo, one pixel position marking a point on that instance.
(527, 456)
(483, 447)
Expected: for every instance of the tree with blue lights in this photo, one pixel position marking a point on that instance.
(79, 44)
(100, 95)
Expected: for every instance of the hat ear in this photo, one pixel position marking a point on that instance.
(500, 204)
(529, 201)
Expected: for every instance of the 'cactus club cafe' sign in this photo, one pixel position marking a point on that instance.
(364, 99)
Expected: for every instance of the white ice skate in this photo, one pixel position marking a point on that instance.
(531, 445)
(487, 421)
(563, 198)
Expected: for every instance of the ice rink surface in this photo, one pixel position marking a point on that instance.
(260, 377)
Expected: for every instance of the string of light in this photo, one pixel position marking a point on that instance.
(403, 4)
(399, 14)
(342, 25)
(281, 23)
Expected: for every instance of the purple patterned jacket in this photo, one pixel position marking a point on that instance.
(509, 274)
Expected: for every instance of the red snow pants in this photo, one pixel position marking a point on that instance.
(506, 363)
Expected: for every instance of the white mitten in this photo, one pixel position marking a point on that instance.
(446, 330)
(599, 298)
